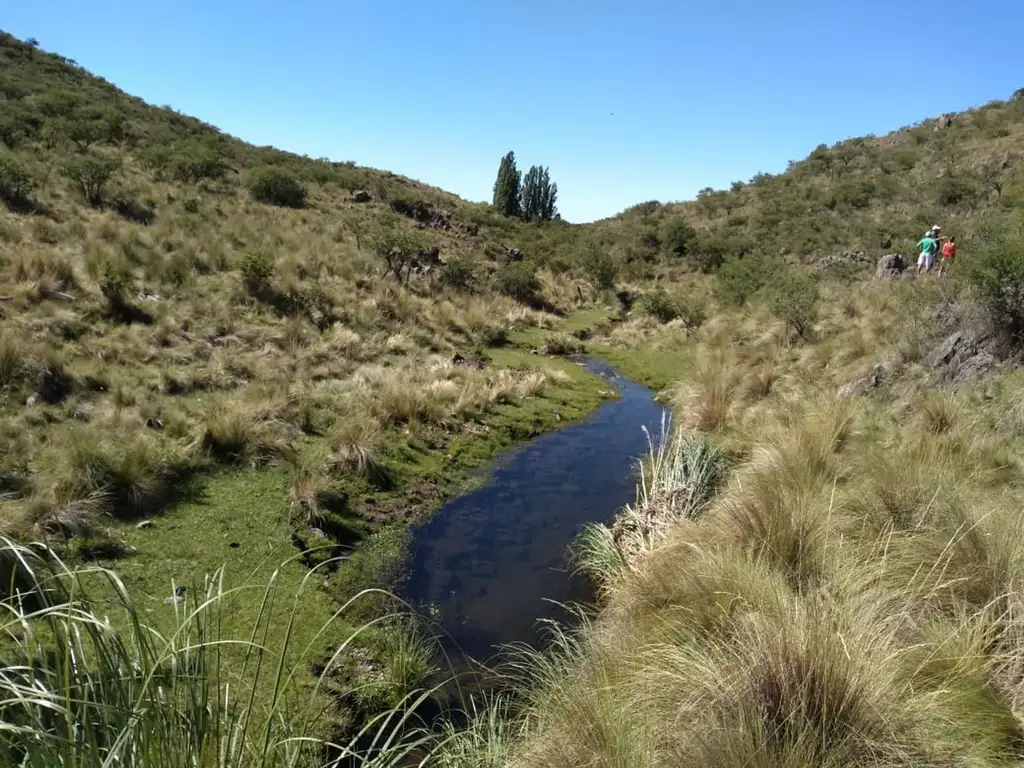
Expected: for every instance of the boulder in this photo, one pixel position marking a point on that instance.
(953, 345)
(963, 355)
(890, 267)
(441, 220)
(361, 196)
(865, 384)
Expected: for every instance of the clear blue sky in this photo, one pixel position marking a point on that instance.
(624, 100)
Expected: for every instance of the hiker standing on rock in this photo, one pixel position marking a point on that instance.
(929, 246)
(948, 254)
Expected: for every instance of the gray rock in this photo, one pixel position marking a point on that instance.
(951, 346)
(865, 384)
(361, 196)
(890, 267)
(178, 597)
(853, 259)
(32, 400)
(975, 366)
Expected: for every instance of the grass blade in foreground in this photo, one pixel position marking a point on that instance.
(87, 682)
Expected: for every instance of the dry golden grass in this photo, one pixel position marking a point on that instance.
(848, 598)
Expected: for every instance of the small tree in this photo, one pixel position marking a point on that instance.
(194, 161)
(598, 264)
(91, 173)
(997, 276)
(257, 269)
(508, 187)
(459, 273)
(15, 181)
(710, 253)
(740, 278)
(276, 186)
(398, 249)
(794, 299)
(660, 306)
(955, 191)
(678, 238)
(518, 280)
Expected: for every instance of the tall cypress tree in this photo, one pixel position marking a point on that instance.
(549, 195)
(539, 195)
(507, 191)
(533, 193)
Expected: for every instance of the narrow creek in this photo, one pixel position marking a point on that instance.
(489, 565)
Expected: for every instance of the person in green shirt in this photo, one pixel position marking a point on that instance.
(928, 246)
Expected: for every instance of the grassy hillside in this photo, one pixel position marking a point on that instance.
(274, 363)
(250, 353)
(823, 567)
(873, 193)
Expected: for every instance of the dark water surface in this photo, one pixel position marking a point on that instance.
(491, 562)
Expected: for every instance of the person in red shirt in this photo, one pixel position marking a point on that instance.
(948, 254)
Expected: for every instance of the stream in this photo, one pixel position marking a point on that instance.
(489, 565)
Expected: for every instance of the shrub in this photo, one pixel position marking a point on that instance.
(693, 312)
(560, 344)
(518, 281)
(459, 273)
(678, 237)
(12, 358)
(660, 306)
(997, 276)
(276, 186)
(115, 285)
(193, 162)
(710, 253)
(91, 173)
(419, 210)
(128, 206)
(234, 433)
(600, 267)
(15, 180)
(955, 191)
(256, 268)
(398, 248)
(740, 278)
(794, 299)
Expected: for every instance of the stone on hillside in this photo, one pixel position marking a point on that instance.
(963, 356)
(866, 384)
(953, 345)
(361, 196)
(850, 258)
(890, 267)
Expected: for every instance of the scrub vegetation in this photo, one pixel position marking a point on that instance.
(231, 378)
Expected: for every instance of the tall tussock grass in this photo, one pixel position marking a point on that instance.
(88, 680)
(680, 474)
(847, 596)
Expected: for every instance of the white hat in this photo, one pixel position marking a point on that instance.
(936, 227)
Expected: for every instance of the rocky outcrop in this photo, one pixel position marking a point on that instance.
(964, 355)
(890, 267)
(361, 196)
(853, 259)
